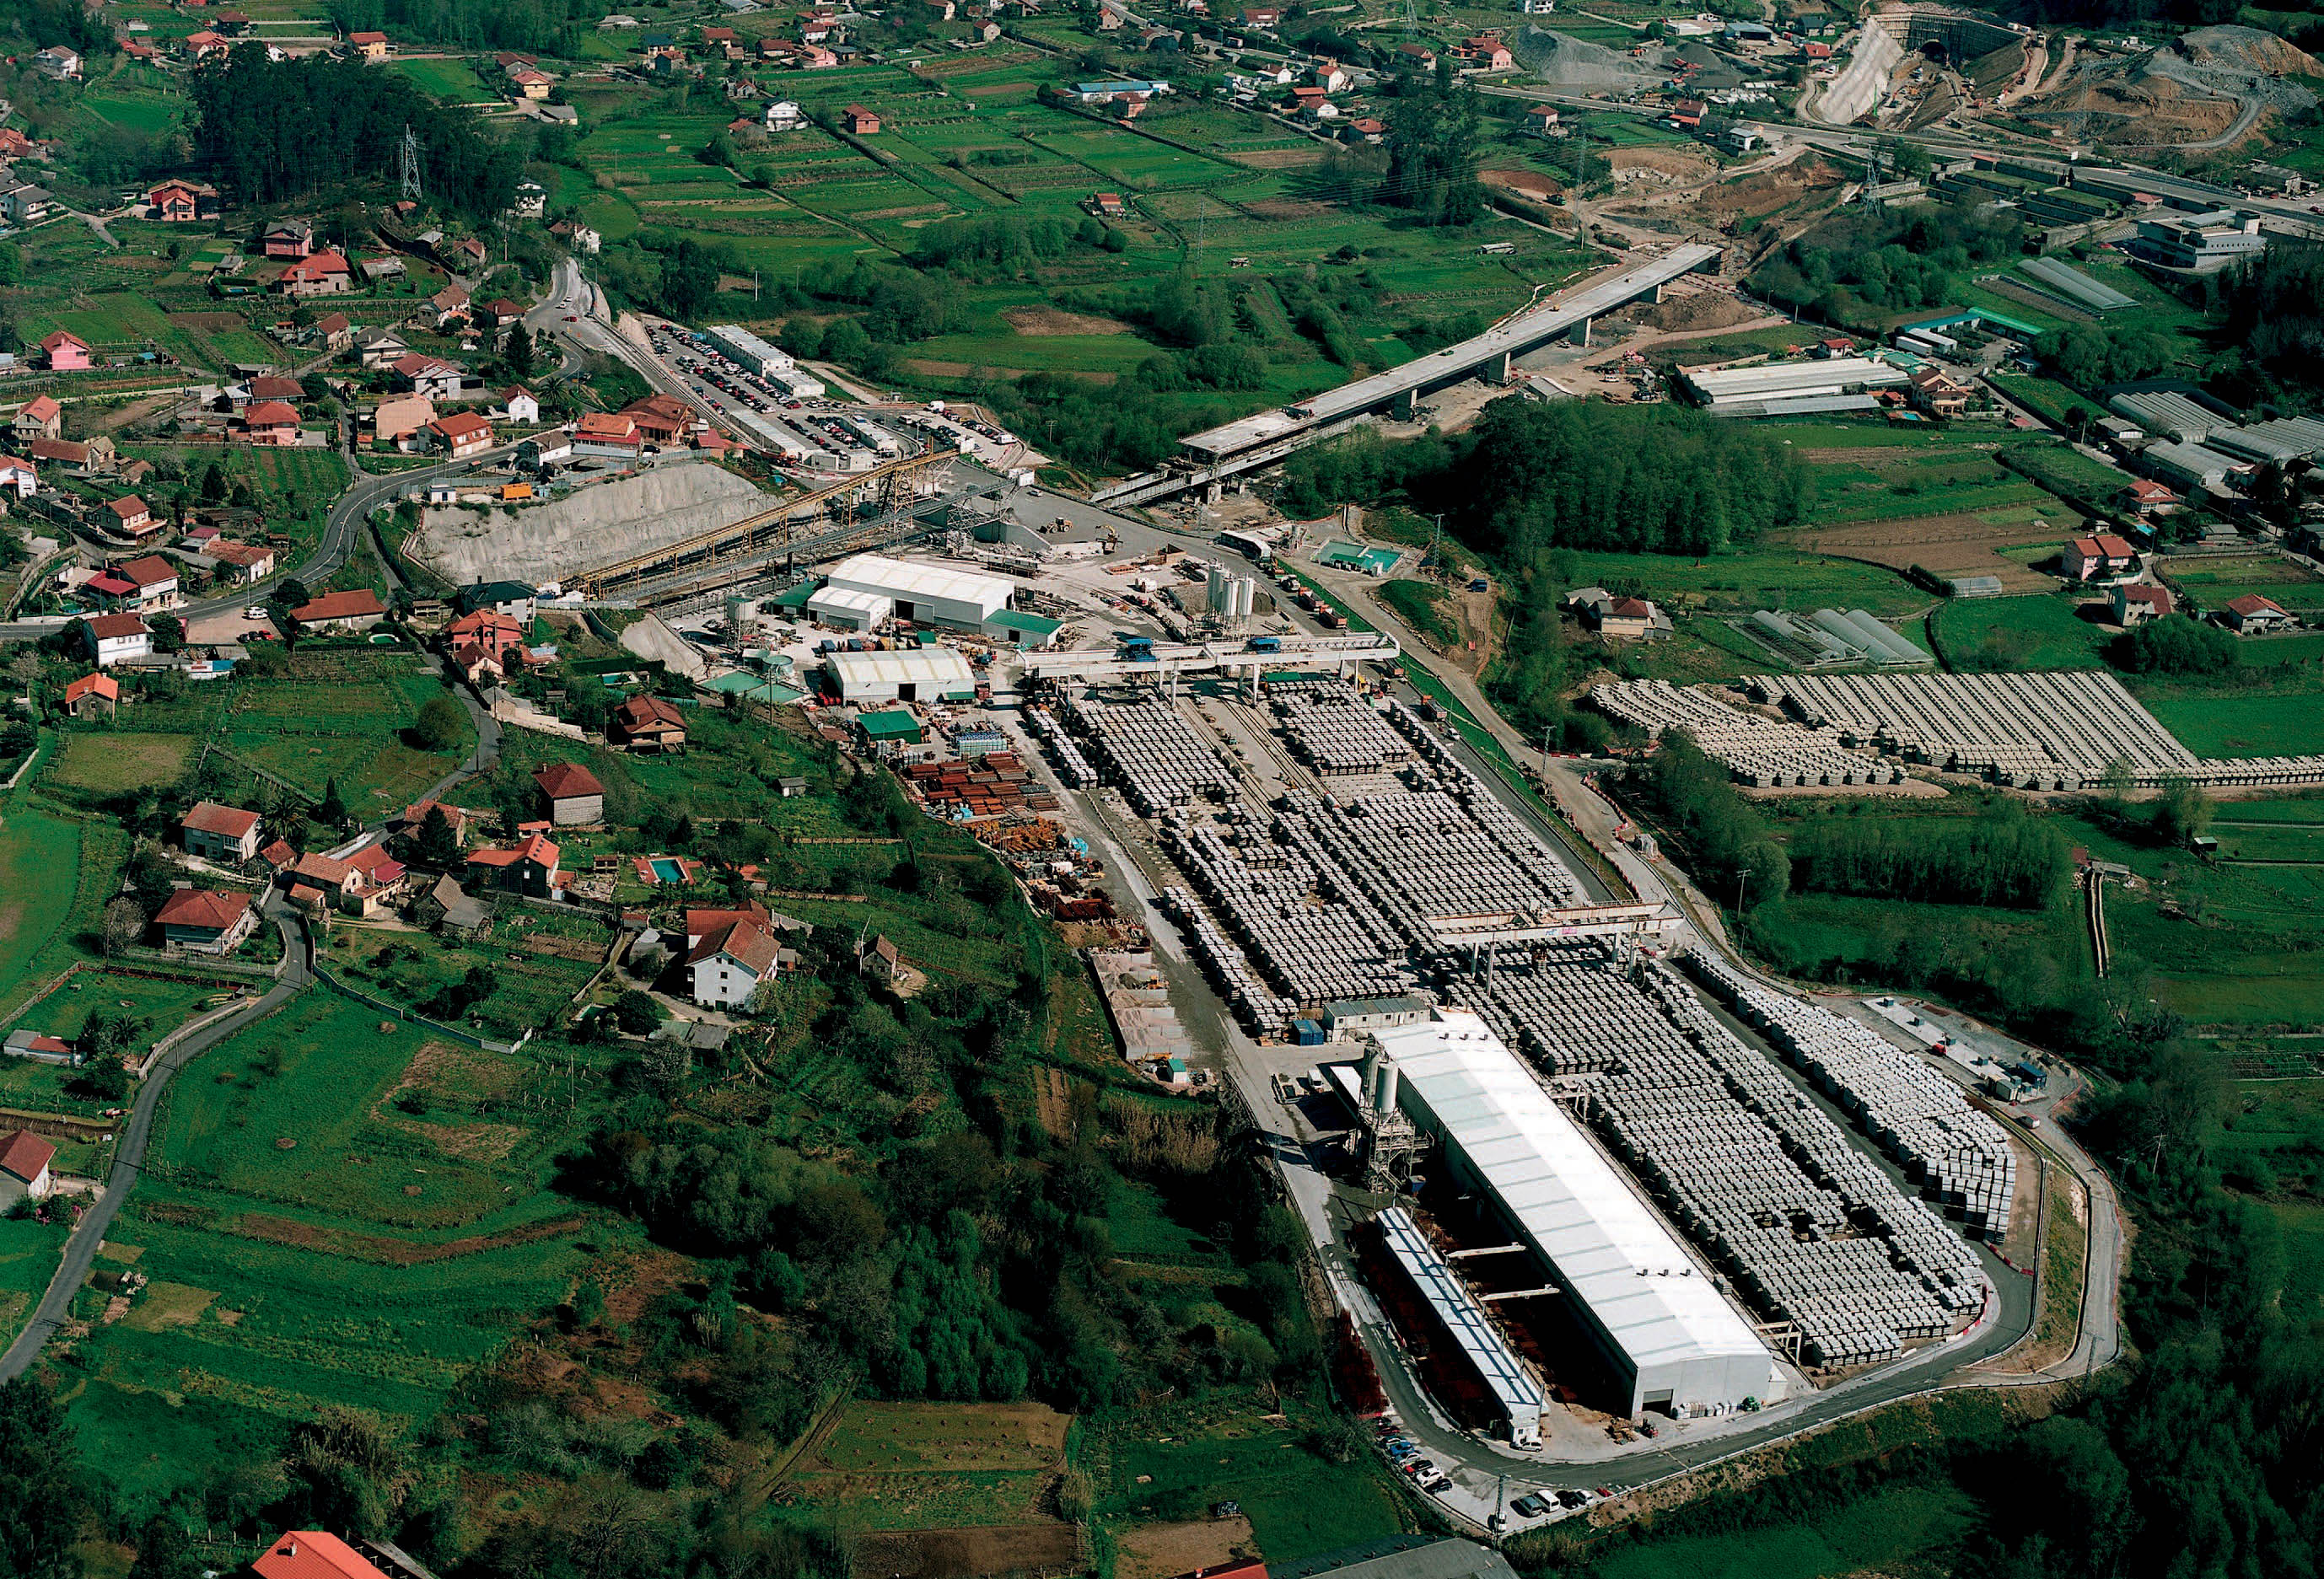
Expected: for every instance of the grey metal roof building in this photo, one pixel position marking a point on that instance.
(1662, 1326)
(2175, 416)
(2073, 287)
(1793, 381)
(1463, 1318)
(1400, 1556)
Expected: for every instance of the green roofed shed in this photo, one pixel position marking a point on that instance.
(881, 729)
(795, 597)
(1029, 629)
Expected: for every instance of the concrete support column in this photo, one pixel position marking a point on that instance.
(1581, 335)
(1406, 405)
(1496, 371)
(1657, 297)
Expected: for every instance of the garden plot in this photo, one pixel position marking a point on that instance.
(341, 715)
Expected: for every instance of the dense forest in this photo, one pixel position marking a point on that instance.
(1527, 477)
(270, 131)
(1880, 259)
(2003, 858)
(2273, 308)
(471, 24)
(2089, 356)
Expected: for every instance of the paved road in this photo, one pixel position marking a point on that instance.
(292, 977)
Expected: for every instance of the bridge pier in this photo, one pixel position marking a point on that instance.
(1406, 406)
(1657, 297)
(1580, 333)
(1496, 372)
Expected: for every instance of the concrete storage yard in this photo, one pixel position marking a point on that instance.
(1325, 845)
(2046, 732)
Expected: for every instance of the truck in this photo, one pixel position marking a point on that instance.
(1327, 617)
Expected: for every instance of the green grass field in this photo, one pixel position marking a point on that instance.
(341, 713)
(1418, 604)
(2215, 582)
(1755, 578)
(1878, 1534)
(2038, 632)
(107, 762)
(447, 79)
(39, 854)
(2287, 722)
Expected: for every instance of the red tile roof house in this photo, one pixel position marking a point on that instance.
(2142, 494)
(414, 818)
(360, 885)
(94, 695)
(156, 581)
(356, 610)
(862, 122)
(528, 867)
(324, 274)
(286, 238)
(271, 422)
(38, 418)
(116, 637)
(2135, 603)
(463, 433)
(312, 1554)
(214, 832)
(2103, 555)
(24, 1159)
(646, 724)
(205, 921)
(573, 795)
(607, 433)
(65, 352)
(131, 515)
(248, 562)
(661, 418)
(725, 968)
(2251, 612)
(496, 634)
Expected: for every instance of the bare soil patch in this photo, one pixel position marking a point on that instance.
(961, 369)
(1051, 320)
(1963, 543)
(1704, 309)
(1769, 190)
(1286, 208)
(381, 1249)
(969, 1553)
(1680, 162)
(166, 1305)
(1276, 159)
(1161, 1551)
(1525, 183)
(209, 323)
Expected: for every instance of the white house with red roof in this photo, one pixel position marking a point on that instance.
(2251, 614)
(206, 921)
(2135, 603)
(359, 610)
(2103, 555)
(325, 273)
(528, 867)
(215, 833)
(462, 434)
(24, 1159)
(38, 417)
(117, 638)
(132, 516)
(156, 581)
(314, 1553)
(19, 476)
(271, 423)
(726, 967)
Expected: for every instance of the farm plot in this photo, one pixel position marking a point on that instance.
(2213, 583)
(1962, 543)
(56, 874)
(1764, 578)
(904, 1467)
(341, 715)
(106, 763)
(447, 79)
(2286, 721)
(528, 985)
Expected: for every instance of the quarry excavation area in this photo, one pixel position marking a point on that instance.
(1350, 890)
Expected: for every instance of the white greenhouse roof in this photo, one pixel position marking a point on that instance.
(937, 666)
(919, 583)
(1659, 1307)
(1831, 376)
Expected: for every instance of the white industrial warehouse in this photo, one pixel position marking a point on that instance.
(927, 674)
(1663, 1325)
(925, 594)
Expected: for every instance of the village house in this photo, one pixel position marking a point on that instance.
(660, 418)
(176, 202)
(529, 867)
(1540, 119)
(572, 795)
(24, 1159)
(274, 424)
(645, 723)
(860, 121)
(244, 563)
(2092, 558)
(395, 420)
(205, 921)
(607, 433)
(726, 967)
(448, 307)
(368, 46)
(2147, 497)
(131, 515)
(323, 274)
(382, 347)
(2251, 615)
(2136, 603)
(38, 417)
(462, 434)
(228, 835)
(1485, 52)
(19, 476)
(57, 63)
(62, 350)
(431, 376)
(286, 238)
(877, 958)
(114, 639)
(204, 45)
(448, 907)
(155, 579)
(359, 610)
(520, 405)
(92, 696)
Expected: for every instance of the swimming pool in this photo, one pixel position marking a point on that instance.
(667, 869)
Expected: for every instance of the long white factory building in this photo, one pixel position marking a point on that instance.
(1662, 1323)
(866, 589)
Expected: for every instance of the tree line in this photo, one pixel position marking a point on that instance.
(273, 131)
(1883, 257)
(2003, 858)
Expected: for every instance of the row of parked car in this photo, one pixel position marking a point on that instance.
(1411, 1461)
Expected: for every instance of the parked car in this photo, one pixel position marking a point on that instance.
(1527, 1507)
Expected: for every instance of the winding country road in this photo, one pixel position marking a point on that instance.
(291, 978)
